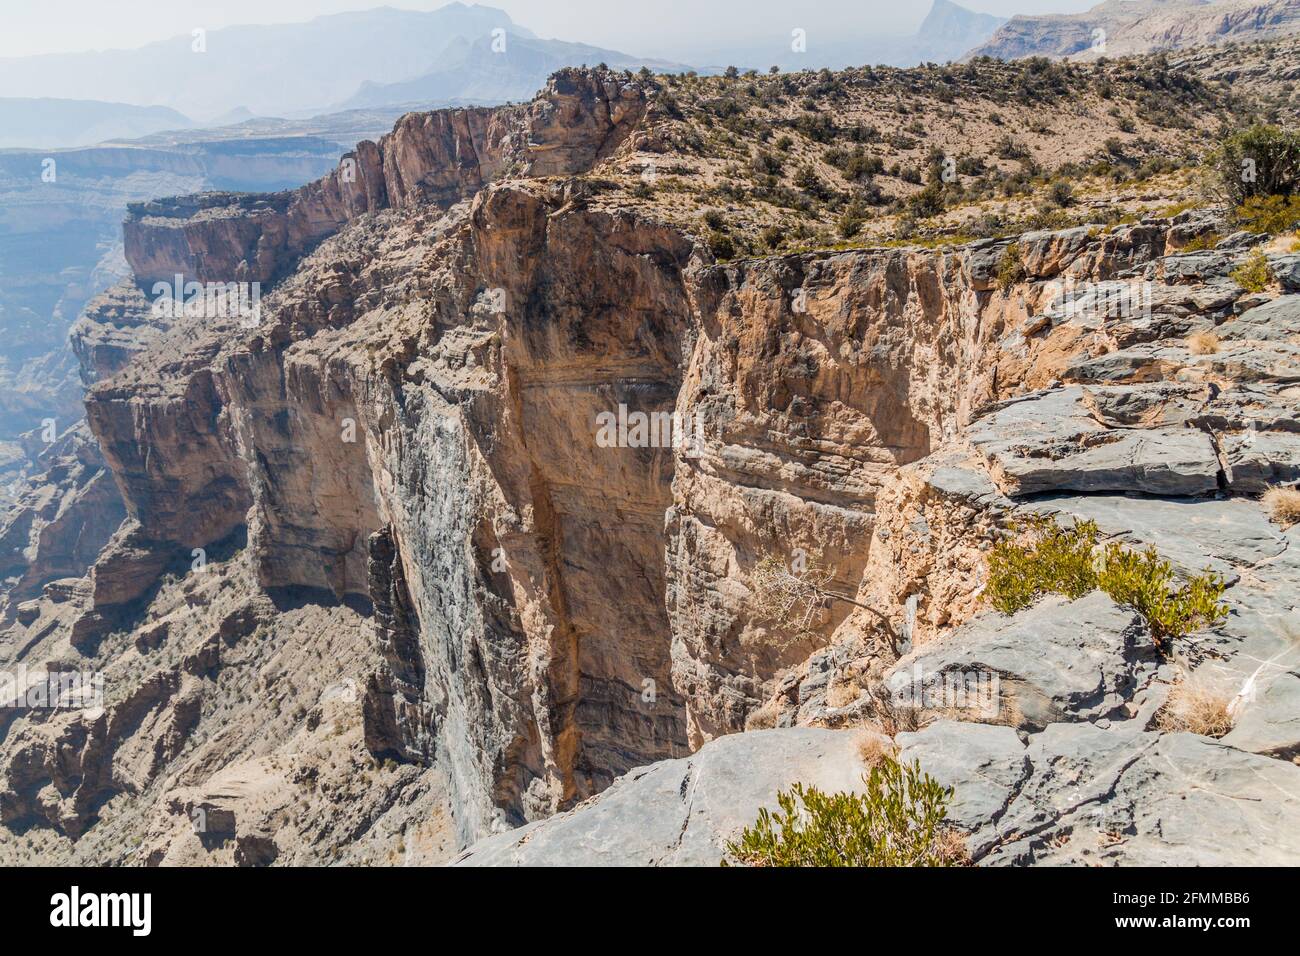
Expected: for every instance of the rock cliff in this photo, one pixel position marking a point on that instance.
(1123, 27)
(382, 573)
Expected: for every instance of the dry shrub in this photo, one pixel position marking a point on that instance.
(842, 691)
(889, 718)
(1196, 707)
(764, 718)
(951, 846)
(1203, 343)
(874, 750)
(788, 598)
(1283, 506)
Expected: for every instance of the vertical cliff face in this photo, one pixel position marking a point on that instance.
(416, 430)
(420, 429)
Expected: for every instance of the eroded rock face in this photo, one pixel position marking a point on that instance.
(439, 157)
(413, 432)
(62, 521)
(1127, 28)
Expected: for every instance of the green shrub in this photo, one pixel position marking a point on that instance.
(1271, 214)
(772, 236)
(927, 202)
(897, 822)
(1011, 268)
(1060, 561)
(1061, 194)
(850, 223)
(1253, 275)
(1144, 582)
(1066, 561)
(721, 245)
(1202, 242)
(1258, 161)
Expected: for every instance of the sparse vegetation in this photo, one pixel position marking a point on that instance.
(1271, 214)
(1196, 706)
(1202, 243)
(1144, 582)
(721, 245)
(1203, 343)
(793, 595)
(1059, 561)
(1253, 275)
(1256, 162)
(897, 822)
(1069, 561)
(1011, 268)
(1283, 505)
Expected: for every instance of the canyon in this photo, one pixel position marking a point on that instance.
(377, 594)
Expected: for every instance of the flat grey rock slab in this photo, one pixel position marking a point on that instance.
(1053, 441)
(1221, 535)
(682, 812)
(1275, 321)
(1059, 660)
(1127, 797)
(984, 764)
(1269, 720)
(1257, 460)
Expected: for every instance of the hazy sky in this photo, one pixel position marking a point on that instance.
(644, 27)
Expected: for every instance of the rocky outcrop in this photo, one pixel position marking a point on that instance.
(467, 443)
(418, 430)
(61, 522)
(681, 812)
(1122, 28)
(439, 157)
(1083, 794)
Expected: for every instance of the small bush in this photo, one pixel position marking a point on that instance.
(897, 822)
(1271, 214)
(721, 245)
(850, 223)
(1066, 561)
(1283, 506)
(1060, 561)
(1253, 275)
(1061, 194)
(1203, 343)
(772, 236)
(714, 219)
(1144, 582)
(1011, 268)
(1202, 243)
(927, 202)
(1008, 148)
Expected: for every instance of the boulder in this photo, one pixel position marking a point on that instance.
(1059, 660)
(1051, 441)
(682, 812)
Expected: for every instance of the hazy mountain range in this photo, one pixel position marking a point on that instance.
(52, 123)
(300, 68)
(374, 58)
